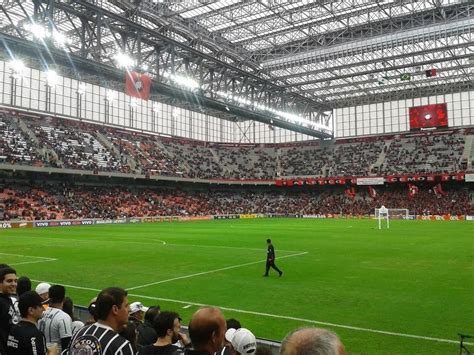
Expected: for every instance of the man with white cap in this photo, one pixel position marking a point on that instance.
(43, 291)
(242, 341)
(136, 312)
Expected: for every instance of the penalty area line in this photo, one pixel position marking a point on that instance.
(43, 259)
(209, 272)
(269, 315)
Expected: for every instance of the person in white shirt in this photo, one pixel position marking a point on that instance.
(56, 324)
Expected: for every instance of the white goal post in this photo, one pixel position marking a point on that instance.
(386, 214)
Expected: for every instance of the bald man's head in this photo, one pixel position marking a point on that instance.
(207, 329)
(311, 341)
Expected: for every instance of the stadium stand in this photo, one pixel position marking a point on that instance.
(83, 146)
(60, 200)
(15, 147)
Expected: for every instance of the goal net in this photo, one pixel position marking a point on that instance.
(383, 215)
(393, 213)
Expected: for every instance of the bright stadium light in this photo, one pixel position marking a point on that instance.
(286, 116)
(18, 68)
(110, 95)
(52, 78)
(184, 81)
(60, 39)
(81, 90)
(38, 31)
(123, 60)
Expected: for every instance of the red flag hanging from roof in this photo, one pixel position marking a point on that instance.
(137, 85)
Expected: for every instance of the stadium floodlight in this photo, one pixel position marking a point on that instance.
(38, 31)
(123, 60)
(52, 78)
(18, 68)
(110, 95)
(184, 81)
(81, 90)
(60, 39)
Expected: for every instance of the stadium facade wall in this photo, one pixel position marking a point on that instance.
(73, 99)
(393, 116)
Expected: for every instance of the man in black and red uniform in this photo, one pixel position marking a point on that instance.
(25, 337)
(271, 259)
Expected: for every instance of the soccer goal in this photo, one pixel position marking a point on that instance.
(386, 214)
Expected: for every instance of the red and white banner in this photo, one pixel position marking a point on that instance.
(137, 85)
(425, 177)
(367, 181)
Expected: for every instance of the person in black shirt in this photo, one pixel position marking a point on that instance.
(25, 338)
(102, 338)
(167, 326)
(8, 314)
(146, 331)
(271, 259)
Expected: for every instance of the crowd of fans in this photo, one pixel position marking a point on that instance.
(65, 201)
(82, 146)
(41, 321)
(424, 154)
(74, 147)
(15, 147)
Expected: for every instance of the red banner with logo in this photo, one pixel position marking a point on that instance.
(137, 85)
(354, 180)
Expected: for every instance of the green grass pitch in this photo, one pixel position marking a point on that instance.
(409, 289)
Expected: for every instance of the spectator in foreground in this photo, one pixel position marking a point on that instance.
(136, 312)
(43, 290)
(23, 285)
(101, 337)
(243, 342)
(25, 337)
(56, 324)
(8, 315)
(68, 307)
(167, 326)
(92, 308)
(310, 340)
(207, 330)
(146, 332)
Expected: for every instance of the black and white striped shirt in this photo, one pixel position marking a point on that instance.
(99, 339)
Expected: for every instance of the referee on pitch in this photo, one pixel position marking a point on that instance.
(271, 259)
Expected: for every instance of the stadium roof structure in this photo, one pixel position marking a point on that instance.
(306, 57)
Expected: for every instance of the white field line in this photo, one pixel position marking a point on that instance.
(43, 259)
(163, 243)
(33, 262)
(269, 315)
(210, 272)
